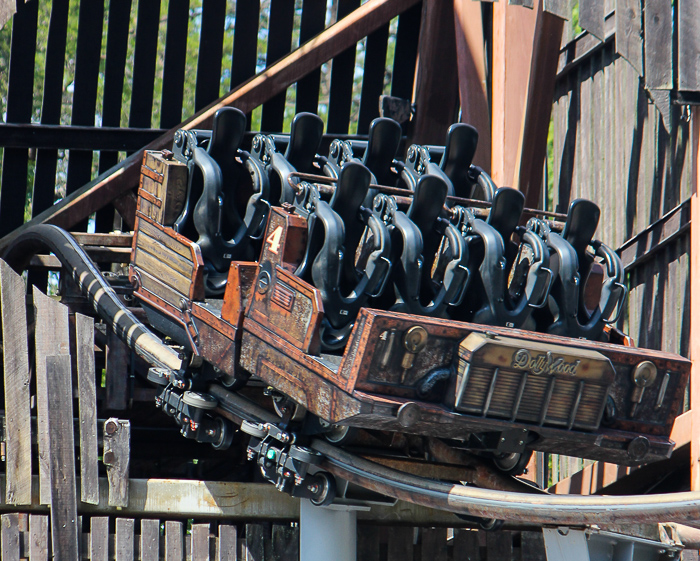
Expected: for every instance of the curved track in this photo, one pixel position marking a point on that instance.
(504, 505)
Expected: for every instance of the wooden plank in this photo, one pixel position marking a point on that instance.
(145, 50)
(279, 43)
(87, 66)
(436, 100)
(124, 540)
(373, 78)
(368, 542)
(313, 19)
(117, 361)
(174, 543)
(123, 177)
(87, 408)
(245, 43)
(20, 83)
(658, 50)
(628, 32)
(591, 17)
(285, 542)
(115, 65)
(64, 508)
(38, 537)
(466, 542)
(499, 545)
(513, 32)
(532, 144)
(694, 345)
(434, 544)
(174, 63)
(406, 52)
(18, 434)
(150, 540)
(342, 73)
(471, 71)
(115, 456)
(227, 544)
(688, 45)
(50, 341)
(400, 543)
(532, 546)
(46, 160)
(10, 537)
(211, 42)
(99, 538)
(200, 542)
(257, 542)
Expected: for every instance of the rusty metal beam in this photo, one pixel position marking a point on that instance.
(262, 87)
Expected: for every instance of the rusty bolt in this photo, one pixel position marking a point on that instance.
(111, 427)
(109, 458)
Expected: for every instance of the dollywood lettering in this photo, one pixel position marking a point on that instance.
(544, 363)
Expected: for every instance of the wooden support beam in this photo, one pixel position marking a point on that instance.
(262, 87)
(513, 32)
(694, 344)
(471, 72)
(532, 144)
(436, 89)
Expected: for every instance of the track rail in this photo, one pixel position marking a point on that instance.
(503, 505)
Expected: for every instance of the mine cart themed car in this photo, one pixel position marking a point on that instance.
(386, 304)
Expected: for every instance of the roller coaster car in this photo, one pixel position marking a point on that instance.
(497, 390)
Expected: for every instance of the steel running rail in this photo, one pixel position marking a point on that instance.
(484, 503)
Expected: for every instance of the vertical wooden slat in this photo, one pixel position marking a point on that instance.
(532, 145)
(658, 50)
(628, 32)
(285, 542)
(400, 544)
(117, 359)
(10, 537)
(406, 52)
(499, 545)
(211, 42)
(87, 409)
(695, 304)
(436, 100)
(99, 538)
(145, 48)
(245, 42)
(124, 540)
(591, 17)
(174, 63)
(227, 544)
(688, 45)
(279, 43)
(18, 110)
(38, 537)
(471, 72)
(368, 542)
(257, 542)
(115, 64)
(372, 77)
(532, 546)
(18, 435)
(466, 542)
(513, 32)
(46, 159)
(174, 544)
(150, 540)
(51, 338)
(434, 544)
(200, 542)
(342, 73)
(64, 509)
(313, 17)
(117, 439)
(87, 66)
